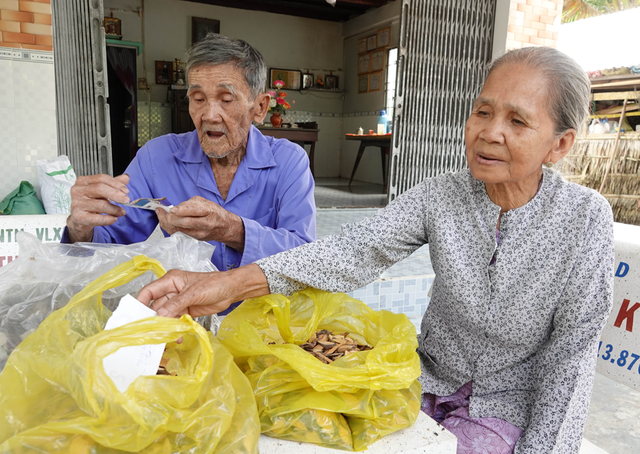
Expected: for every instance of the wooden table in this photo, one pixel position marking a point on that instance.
(383, 141)
(300, 136)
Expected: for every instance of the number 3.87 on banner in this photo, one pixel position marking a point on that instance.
(625, 359)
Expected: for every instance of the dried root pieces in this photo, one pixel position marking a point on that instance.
(162, 368)
(328, 347)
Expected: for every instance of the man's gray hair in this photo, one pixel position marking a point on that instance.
(567, 83)
(215, 49)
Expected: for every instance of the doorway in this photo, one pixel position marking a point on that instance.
(121, 71)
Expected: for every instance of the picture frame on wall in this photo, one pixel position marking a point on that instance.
(164, 72)
(364, 64)
(375, 82)
(372, 42)
(377, 60)
(363, 84)
(362, 45)
(292, 78)
(201, 26)
(384, 37)
(307, 81)
(331, 82)
(112, 28)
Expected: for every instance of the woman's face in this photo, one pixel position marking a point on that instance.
(510, 134)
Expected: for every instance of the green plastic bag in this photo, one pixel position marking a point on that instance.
(22, 201)
(56, 398)
(347, 404)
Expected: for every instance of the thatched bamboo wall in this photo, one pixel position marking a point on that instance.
(586, 164)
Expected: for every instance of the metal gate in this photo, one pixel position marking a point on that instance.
(80, 63)
(445, 48)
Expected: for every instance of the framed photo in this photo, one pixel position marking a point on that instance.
(362, 45)
(307, 81)
(112, 27)
(377, 60)
(201, 26)
(364, 64)
(164, 72)
(363, 84)
(372, 42)
(292, 78)
(331, 82)
(375, 81)
(384, 37)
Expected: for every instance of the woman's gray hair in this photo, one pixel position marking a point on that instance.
(567, 83)
(215, 49)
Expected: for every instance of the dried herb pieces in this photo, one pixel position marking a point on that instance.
(328, 347)
(162, 369)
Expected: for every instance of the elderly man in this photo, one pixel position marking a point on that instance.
(249, 195)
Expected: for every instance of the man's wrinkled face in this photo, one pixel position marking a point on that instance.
(221, 108)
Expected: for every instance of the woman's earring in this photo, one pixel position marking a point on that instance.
(549, 164)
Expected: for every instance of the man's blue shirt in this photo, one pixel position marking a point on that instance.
(272, 191)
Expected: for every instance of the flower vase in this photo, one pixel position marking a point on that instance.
(276, 120)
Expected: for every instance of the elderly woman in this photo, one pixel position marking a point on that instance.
(523, 263)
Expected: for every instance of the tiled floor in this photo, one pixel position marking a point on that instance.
(613, 423)
(336, 192)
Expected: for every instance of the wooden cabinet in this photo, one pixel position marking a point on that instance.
(301, 136)
(180, 118)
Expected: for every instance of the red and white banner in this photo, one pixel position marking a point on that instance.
(48, 228)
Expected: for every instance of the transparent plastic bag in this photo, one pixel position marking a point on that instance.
(55, 396)
(45, 276)
(347, 404)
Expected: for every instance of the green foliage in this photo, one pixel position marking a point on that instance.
(574, 10)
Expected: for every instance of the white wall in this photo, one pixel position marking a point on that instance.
(500, 27)
(361, 110)
(285, 42)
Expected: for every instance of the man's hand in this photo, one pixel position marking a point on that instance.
(90, 204)
(183, 292)
(204, 220)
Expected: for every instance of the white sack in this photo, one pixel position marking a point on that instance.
(56, 178)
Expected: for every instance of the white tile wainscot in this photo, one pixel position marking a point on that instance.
(27, 116)
(400, 295)
(425, 436)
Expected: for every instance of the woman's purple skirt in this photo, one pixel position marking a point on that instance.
(475, 435)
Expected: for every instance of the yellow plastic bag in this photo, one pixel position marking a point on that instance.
(347, 404)
(55, 396)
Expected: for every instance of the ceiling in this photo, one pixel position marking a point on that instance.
(314, 9)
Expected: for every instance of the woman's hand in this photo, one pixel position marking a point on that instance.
(197, 294)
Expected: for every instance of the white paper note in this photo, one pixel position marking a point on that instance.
(129, 363)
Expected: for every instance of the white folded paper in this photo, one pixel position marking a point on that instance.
(129, 363)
